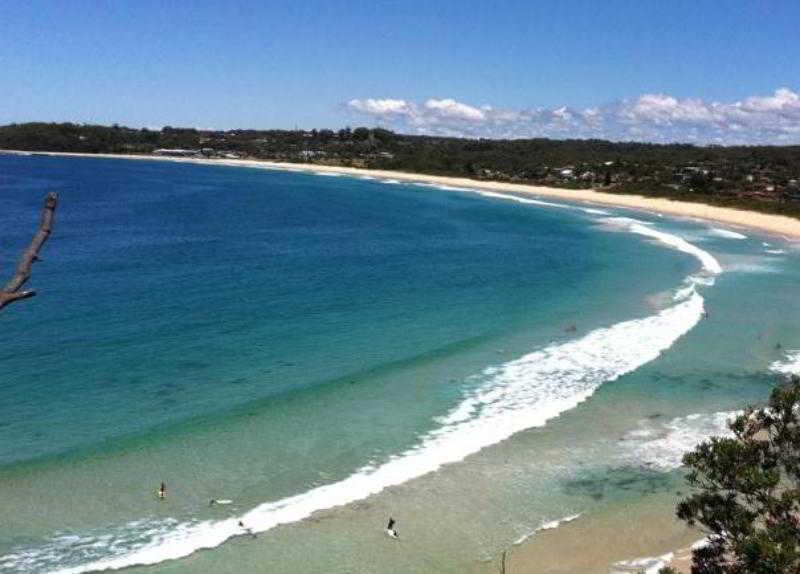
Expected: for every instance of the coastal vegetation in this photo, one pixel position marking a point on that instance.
(747, 491)
(762, 178)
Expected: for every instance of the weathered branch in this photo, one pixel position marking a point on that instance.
(11, 292)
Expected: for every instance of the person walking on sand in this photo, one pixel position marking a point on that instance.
(391, 531)
(162, 492)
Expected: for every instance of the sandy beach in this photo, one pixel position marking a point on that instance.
(626, 535)
(631, 540)
(781, 225)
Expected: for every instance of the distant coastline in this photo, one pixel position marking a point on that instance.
(772, 224)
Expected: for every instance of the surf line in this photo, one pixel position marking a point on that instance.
(517, 395)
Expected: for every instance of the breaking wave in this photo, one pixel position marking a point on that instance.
(727, 233)
(514, 396)
(662, 448)
(789, 365)
(648, 565)
(551, 525)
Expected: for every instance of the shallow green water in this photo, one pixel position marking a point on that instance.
(255, 335)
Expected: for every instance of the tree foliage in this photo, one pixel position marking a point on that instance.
(747, 495)
(764, 178)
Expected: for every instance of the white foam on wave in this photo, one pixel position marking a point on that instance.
(391, 181)
(662, 447)
(516, 198)
(328, 174)
(525, 200)
(620, 222)
(518, 395)
(551, 525)
(87, 547)
(690, 284)
(445, 187)
(790, 365)
(775, 251)
(647, 565)
(727, 233)
(710, 264)
(752, 266)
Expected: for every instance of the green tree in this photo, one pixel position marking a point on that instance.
(747, 495)
(360, 134)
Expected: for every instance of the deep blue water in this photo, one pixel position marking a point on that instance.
(257, 334)
(170, 291)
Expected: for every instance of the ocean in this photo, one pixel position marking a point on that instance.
(322, 353)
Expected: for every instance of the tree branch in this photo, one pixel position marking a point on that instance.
(11, 292)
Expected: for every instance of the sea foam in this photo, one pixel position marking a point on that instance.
(549, 525)
(727, 233)
(662, 447)
(515, 396)
(525, 200)
(790, 365)
(648, 565)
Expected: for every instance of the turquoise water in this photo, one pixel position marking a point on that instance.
(329, 351)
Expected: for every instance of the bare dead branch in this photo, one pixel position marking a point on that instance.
(11, 292)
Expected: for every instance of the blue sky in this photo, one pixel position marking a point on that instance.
(317, 64)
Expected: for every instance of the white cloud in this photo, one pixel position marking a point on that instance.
(451, 109)
(784, 99)
(382, 107)
(771, 119)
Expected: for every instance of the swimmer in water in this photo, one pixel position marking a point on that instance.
(162, 492)
(246, 529)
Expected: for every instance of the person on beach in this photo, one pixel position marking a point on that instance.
(162, 492)
(391, 532)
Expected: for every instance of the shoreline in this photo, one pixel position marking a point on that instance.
(783, 226)
(529, 553)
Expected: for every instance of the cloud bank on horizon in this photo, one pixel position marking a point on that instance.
(770, 120)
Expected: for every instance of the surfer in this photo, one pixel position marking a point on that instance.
(162, 491)
(213, 502)
(247, 529)
(391, 531)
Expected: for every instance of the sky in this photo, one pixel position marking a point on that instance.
(698, 71)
